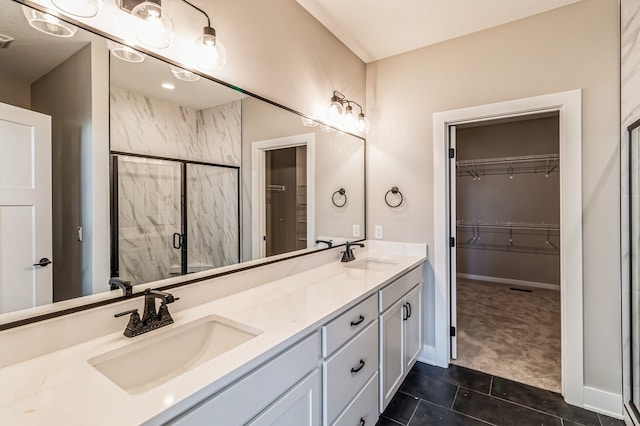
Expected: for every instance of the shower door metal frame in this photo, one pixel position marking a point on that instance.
(115, 226)
(634, 322)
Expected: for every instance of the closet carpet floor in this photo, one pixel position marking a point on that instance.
(509, 333)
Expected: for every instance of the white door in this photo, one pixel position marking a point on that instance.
(413, 327)
(452, 234)
(25, 209)
(391, 352)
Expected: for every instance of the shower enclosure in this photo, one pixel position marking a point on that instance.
(172, 217)
(634, 271)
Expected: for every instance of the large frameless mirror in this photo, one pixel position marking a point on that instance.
(153, 172)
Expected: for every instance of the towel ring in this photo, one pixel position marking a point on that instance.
(342, 192)
(394, 190)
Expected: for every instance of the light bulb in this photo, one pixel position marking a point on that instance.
(48, 24)
(81, 8)
(124, 53)
(363, 124)
(208, 51)
(350, 122)
(156, 30)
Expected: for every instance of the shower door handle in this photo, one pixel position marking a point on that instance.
(177, 241)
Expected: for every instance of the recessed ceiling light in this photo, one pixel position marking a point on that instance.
(168, 86)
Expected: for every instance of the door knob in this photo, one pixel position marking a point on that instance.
(43, 262)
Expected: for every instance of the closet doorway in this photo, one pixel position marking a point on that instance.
(505, 276)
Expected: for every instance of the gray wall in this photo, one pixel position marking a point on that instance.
(498, 198)
(564, 49)
(65, 93)
(15, 93)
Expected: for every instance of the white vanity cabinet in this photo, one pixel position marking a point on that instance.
(284, 391)
(400, 306)
(350, 369)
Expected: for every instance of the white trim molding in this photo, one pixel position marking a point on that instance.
(258, 212)
(569, 107)
(603, 402)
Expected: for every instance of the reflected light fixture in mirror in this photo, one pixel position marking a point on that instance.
(48, 24)
(156, 30)
(124, 53)
(184, 75)
(81, 8)
(208, 52)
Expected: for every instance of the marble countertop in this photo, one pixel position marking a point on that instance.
(63, 388)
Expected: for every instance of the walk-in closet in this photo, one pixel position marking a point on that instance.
(507, 256)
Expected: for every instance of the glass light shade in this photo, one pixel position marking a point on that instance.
(48, 24)
(82, 8)
(208, 52)
(156, 30)
(184, 75)
(363, 124)
(125, 53)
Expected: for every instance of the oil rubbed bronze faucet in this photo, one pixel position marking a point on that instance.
(347, 254)
(151, 318)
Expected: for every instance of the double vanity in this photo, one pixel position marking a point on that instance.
(306, 341)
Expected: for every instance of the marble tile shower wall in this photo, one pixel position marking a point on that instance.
(149, 214)
(212, 194)
(142, 124)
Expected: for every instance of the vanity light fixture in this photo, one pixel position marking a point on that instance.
(184, 75)
(48, 24)
(345, 117)
(156, 30)
(209, 54)
(81, 8)
(124, 53)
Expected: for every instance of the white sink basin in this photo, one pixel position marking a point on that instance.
(148, 363)
(371, 264)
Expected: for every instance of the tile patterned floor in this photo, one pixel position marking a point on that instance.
(458, 396)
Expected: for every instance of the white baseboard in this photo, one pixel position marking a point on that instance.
(428, 355)
(603, 402)
(509, 281)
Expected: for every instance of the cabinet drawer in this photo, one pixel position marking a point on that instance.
(363, 410)
(255, 391)
(394, 291)
(348, 370)
(347, 325)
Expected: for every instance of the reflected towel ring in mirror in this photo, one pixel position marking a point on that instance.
(394, 190)
(342, 192)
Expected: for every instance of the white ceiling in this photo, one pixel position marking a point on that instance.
(377, 29)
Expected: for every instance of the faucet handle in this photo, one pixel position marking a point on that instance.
(130, 311)
(134, 326)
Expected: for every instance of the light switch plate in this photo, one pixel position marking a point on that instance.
(356, 230)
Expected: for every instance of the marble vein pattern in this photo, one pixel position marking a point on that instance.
(146, 125)
(214, 235)
(148, 215)
(510, 334)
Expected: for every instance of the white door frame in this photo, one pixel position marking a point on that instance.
(258, 180)
(569, 106)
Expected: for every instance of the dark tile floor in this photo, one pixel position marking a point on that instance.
(458, 396)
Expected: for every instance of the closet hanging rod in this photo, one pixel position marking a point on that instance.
(277, 188)
(509, 160)
(505, 247)
(511, 225)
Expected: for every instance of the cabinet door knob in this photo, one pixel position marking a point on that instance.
(358, 322)
(359, 367)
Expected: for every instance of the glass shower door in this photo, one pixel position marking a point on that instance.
(212, 217)
(149, 218)
(634, 239)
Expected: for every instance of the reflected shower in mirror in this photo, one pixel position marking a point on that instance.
(156, 172)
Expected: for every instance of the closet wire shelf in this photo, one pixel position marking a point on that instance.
(519, 237)
(542, 163)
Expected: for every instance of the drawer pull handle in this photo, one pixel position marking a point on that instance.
(358, 322)
(359, 367)
(362, 422)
